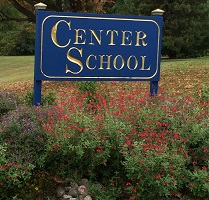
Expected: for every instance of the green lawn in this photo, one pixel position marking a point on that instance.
(20, 68)
(16, 68)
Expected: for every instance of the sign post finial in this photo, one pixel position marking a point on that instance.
(40, 6)
(158, 12)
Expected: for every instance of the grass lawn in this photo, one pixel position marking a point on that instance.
(16, 68)
(177, 76)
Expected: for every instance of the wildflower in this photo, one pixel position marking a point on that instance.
(128, 184)
(9, 164)
(15, 179)
(98, 150)
(176, 135)
(205, 150)
(158, 176)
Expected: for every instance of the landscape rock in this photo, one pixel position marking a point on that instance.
(82, 190)
(88, 197)
(73, 184)
(60, 191)
(84, 181)
(67, 188)
(67, 197)
(73, 192)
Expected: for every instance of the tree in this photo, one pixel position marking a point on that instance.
(16, 36)
(21, 14)
(26, 7)
(186, 24)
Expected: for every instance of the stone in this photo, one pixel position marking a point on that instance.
(81, 197)
(73, 184)
(67, 196)
(73, 192)
(88, 197)
(99, 185)
(60, 191)
(67, 188)
(84, 181)
(82, 190)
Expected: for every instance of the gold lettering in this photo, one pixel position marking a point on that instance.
(79, 36)
(125, 38)
(140, 39)
(106, 62)
(115, 62)
(54, 34)
(112, 36)
(74, 60)
(129, 60)
(143, 63)
(87, 61)
(98, 38)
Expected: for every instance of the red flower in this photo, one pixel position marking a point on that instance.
(15, 179)
(158, 176)
(9, 164)
(191, 185)
(128, 184)
(176, 135)
(98, 150)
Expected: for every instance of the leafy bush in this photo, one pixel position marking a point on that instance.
(48, 99)
(136, 144)
(8, 101)
(22, 146)
(18, 41)
(131, 144)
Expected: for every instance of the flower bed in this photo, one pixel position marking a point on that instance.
(134, 145)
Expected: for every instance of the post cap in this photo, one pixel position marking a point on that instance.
(40, 6)
(158, 12)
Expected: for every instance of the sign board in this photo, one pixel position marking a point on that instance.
(72, 46)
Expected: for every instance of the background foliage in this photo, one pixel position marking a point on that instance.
(186, 23)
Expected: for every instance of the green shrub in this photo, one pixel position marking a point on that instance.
(48, 99)
(89, 89)
(153, 144)
(204, 94)
(135, 146)
(8, 101)
(22, 145)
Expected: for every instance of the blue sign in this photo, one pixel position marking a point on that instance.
(71, 46)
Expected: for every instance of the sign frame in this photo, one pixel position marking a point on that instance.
(41, 53)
